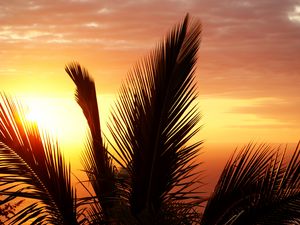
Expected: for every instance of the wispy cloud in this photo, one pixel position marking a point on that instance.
(295, 14)
(284, 111)
(248, 67)
(249, 48)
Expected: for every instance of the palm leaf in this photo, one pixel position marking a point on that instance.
(155, 118)
(33, 167)
(257, 187)
(97, 163)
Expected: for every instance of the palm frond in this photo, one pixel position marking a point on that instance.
(32, 166)
(96, 161)
(257, 186)
(154, 119)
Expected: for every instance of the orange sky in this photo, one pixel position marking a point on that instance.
(248, 70)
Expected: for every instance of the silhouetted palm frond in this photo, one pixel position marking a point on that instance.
(31, 166)
(155, 118)
(96, 161)
(257, 186)
(153, 124)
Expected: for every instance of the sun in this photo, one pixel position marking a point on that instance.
(62, 119)
(42, 116)
(52, 115)
(58, 116)
(39, 117)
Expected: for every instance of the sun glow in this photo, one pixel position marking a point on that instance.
(43, 114)
(63, 119)
(40, 116)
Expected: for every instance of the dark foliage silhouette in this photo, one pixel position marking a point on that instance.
(153, 121)
(32, 166)
(97, 163)
(150, 175)
(257, 186)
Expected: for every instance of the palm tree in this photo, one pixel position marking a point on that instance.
(151, 178)
(32, 166)
(257, 186)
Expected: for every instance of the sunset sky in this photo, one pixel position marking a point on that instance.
(248, 72)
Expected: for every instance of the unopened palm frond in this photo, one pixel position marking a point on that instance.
(97, 163)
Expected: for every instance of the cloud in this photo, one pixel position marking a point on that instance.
(104, 11)
(284, 111)
(93, 25)
(249, 53)
(253, 45)
(249, 48)
(295, 14)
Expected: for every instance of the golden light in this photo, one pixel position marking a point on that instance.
(63, 119)
(41, 112)
(38, 115)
